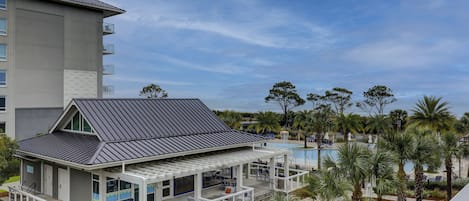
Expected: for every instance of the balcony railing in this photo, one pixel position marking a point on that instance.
(20, 195)
(246, 194)
(108, 28)
(108, 69)
(108, 49)
(108, 90)
(296, 179)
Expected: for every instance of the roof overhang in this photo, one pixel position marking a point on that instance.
(21, 153)
(108, 11)
(161, 170)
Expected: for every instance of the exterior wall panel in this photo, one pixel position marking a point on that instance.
(80, 185)
(33, 121)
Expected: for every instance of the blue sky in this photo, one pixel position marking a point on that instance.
(230, 53)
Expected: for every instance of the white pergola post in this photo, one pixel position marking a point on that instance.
(198, 186)
(102, 187)
(142, 192)
(239, 177)
(286, 173)
(159, 191)
(248, 171)
(272, 172)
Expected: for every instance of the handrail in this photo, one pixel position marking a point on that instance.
(232, 195)
(15, 192)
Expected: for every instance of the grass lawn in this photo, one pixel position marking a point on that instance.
(12, 179)
(3, 191)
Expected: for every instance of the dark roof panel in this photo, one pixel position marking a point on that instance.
(72, 147)
(161, 146)
(136, 119)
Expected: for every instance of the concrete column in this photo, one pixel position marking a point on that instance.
(142, 191)
(272, 172)
(102, 187)
(286, 170)
(159, 191)
(198, 186)
(239, 177)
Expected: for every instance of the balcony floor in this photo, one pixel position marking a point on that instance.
(261, 188)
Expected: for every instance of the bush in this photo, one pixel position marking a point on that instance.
(457, 184)
(302, 193)
(339, 140)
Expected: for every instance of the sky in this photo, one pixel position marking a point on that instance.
(230, 53)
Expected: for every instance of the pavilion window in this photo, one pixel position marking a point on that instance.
(78, 123)
(95, 188)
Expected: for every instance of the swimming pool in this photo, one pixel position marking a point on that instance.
(309, 157)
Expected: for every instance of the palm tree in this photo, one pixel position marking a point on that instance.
(351, 163)
(462, 125)
(327, 186)
(380, 168)
(266, 122)
(348, 123)
(319, 121)
(431, 112)
(231, 118)
(450, 148)
(423, 153)
(300, 122)
(398, 119)
(379, 124)
(400, 145)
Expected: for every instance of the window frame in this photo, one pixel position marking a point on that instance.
(6, 52)
(3, 109)
(5, 7)
(6, 78)
(6, 27)
(80, 130)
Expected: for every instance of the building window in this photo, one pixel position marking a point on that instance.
(2, 127)
(166, 188)
(3, 52)
(3, 77)
(2, 103)
(95, 188)
(3, 26)
(78, 123)
(3, 4)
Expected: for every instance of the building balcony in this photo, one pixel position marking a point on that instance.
(108, 28)
(108, 90)
(108, 49)
(108, 69)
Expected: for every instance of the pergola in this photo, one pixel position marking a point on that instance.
(158, 171)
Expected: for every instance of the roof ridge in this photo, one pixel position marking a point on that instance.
(149, 99)
(98, 150)
(150, 138)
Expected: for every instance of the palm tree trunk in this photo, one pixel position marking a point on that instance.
(449, 172)
(306, 140)
(319, 142)
(418, 182)
(401, 196)
(357, 192)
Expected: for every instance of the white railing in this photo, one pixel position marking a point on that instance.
(108, 28)
(108, 69)
(247, 194)
(108, 49)
(295, 181)
(296, 178)
(20, 195)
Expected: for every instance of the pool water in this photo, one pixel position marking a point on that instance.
(309, 156)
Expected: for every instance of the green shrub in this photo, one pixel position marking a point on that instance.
(302, 193)
(457, 184)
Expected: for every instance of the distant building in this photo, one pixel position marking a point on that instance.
(50, 52)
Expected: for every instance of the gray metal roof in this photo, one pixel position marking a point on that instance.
(72, 147)
(131, 129)
(95, 4)
(133, 119)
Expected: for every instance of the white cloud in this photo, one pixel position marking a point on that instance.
(147, 80)
(402, 54)
(222, 68)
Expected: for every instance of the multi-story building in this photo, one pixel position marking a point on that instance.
(50, 52)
